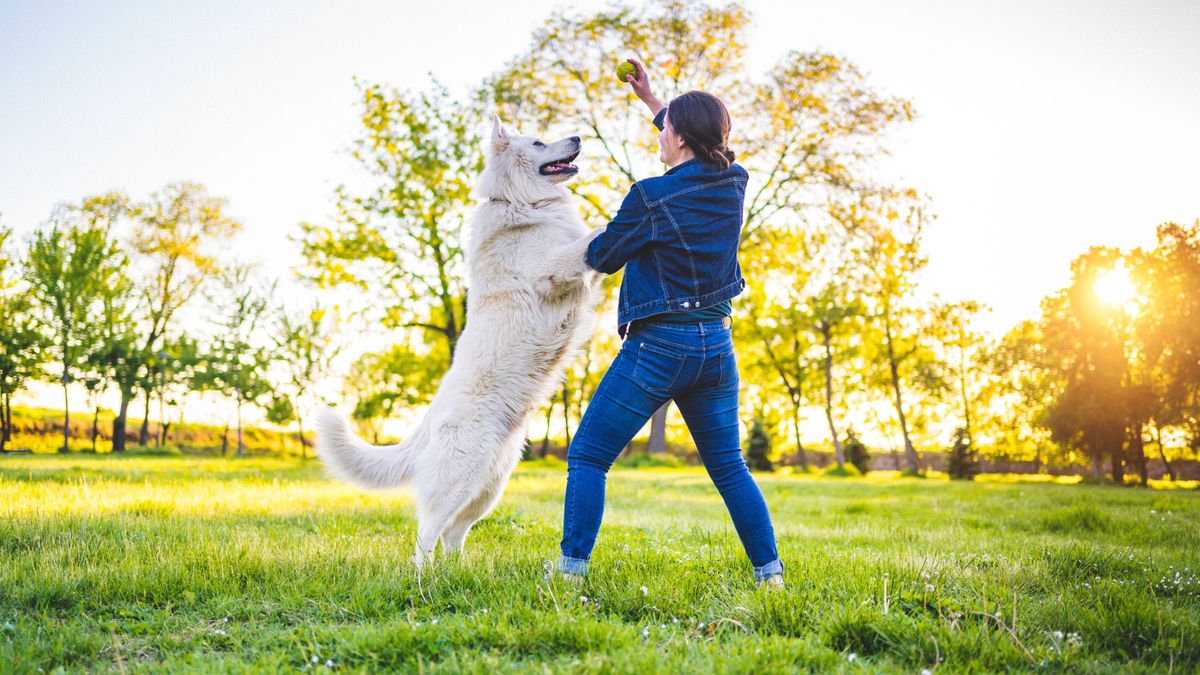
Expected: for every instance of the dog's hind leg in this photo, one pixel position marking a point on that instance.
(456, 532)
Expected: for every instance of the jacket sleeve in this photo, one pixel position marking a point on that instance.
(631, 229)
(660, 118)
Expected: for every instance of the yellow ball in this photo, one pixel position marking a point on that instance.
(625, 68)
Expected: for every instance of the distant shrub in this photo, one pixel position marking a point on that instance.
(647, 460)
(759, 446)
(961, 462)
(856, 453)
(847, 471)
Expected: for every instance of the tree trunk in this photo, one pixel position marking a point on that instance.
(240, 447)
(966, 402)
(95, 427)
(66, 408)
(225, 438)
(144, 434)
(1037, 458)
(658, 430)
(546, 438)
(1137, 452)
(1118, 466)
(839, 454)
(1161, 453)
(303, 443)
(4, 433)
(800, 454)
(910, 453)
(566, 401)
(118, 425)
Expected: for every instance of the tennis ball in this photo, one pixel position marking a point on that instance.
(625, 68)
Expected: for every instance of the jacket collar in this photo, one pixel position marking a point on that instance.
(686, 162)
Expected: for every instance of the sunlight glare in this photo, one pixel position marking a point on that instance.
(1115, 287)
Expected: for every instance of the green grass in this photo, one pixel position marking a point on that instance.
(198, 564)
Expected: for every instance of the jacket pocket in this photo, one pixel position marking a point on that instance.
(657, 368)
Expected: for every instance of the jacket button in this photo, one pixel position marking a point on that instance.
(685, 304)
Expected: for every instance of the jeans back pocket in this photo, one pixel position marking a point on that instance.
(657, 368)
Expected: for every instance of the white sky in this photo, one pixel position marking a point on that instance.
(1044, 127)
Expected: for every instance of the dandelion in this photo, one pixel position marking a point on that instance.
(645, 591)
(315, 659)
(583, 599)
(329, 663)
(1058, 635)
(928, 588)
(926, 671)
(646, 632)
(433, 622)
(851, 657)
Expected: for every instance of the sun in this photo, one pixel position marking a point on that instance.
(1115, 287)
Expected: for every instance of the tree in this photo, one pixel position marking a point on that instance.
(22, 344)
(402, 238)
(960, 343)
(807, 130)
(235, 363)
(1084, 333)
(305, 346)
(887, 226)
(179, 238)
(70, 266)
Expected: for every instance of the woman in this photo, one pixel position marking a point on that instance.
(677, 237)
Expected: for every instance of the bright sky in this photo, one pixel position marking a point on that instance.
(1045, 127)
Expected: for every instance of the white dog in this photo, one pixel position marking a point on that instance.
(531, 304)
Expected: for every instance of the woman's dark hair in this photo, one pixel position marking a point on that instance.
(703, 123)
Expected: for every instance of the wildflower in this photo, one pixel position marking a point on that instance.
(928, 588)
(645, 591)
(583, 599)
(852, 657)
(329, 663)
(926, 671)
(315, 659)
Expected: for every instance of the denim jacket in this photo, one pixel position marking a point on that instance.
(677, 236)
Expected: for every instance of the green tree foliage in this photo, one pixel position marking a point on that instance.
(70, 266)
(179, 235)
(305, 347)
(22, 343)
(806, 130)
(402, 238)
(236, 361)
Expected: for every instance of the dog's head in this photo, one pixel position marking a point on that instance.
(525, 170)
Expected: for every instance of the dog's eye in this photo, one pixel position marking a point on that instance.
(539, 144)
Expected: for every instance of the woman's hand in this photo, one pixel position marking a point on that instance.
(640, 82)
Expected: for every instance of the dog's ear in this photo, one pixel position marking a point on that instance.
(499, 135)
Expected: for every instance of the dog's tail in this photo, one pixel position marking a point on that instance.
(349, 458)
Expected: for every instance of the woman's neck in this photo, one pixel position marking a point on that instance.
(684, 155)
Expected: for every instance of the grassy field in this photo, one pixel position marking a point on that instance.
(196, 564)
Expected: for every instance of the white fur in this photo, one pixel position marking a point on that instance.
(530, 306)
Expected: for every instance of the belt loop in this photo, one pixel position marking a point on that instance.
(726, 321)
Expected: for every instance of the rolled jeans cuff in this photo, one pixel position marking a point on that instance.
(569, 565)
(770, 569)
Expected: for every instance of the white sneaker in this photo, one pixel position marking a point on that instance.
(773, 582)
(552, 572)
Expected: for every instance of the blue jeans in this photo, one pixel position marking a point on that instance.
(693, 364)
